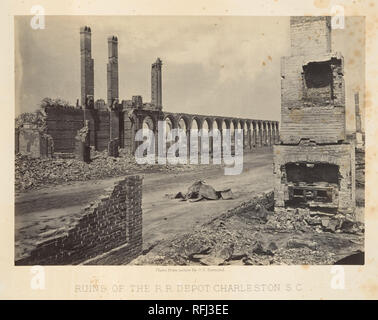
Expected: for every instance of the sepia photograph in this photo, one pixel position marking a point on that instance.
(189, 141)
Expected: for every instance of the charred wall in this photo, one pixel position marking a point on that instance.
(314, 165)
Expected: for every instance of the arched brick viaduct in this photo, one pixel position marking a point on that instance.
(257, 133)
(114, 123)
(128, 116)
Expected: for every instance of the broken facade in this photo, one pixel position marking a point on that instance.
(314, 163)
(112, 124)
(34, 143)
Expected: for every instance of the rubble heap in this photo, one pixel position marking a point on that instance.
(252, 234)
(32, 173)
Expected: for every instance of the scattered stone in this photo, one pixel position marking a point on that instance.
(272, 246)
(332, 225)
(260, 249)
(211, 261)
(238, 256)
(226, 194)
(224, 253)
(300, 243)
(248, 261)
(198, 257)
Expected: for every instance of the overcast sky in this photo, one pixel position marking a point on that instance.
(211, 65)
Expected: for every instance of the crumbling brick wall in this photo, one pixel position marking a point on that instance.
(102, 128)
(62, 123)
(33, 142)
(310, 35)
(114, 220)
(312, 109)
(82, 148)
(314, 164)
(312, 85)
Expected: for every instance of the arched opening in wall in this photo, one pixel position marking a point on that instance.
(233, 126)
(263, 133)
(242, 126)
(206, 125)
(195, 147)
(253, 134)
(168, 131)
(148, 130)
(183, 125)
(225, 127)
(259, 134)
(217, 125)
(247, 135)
(267, 126)
(272, 133)
(148, 124)
(216, 142)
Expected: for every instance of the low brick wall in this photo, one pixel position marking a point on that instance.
(114, 220)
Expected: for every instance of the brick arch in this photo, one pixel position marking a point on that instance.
(169, 123)
(172, 119)
(209, 122)
(259, 133)
(219, 122)
(253, 133)
(150, 121)
(232, 125)
(186, 120)
(270, 133)
(198, 121)
(265, 133)
(227, 122)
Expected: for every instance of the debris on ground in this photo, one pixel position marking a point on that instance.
(199, 190)
(252, 234)
(33, 173)
(303, 219)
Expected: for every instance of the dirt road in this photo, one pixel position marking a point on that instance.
(162, 217)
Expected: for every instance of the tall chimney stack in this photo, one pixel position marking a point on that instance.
(156, 85)
(86, 62)
(112, 69)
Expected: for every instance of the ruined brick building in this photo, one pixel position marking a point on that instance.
(114, 123)
(314, 163)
